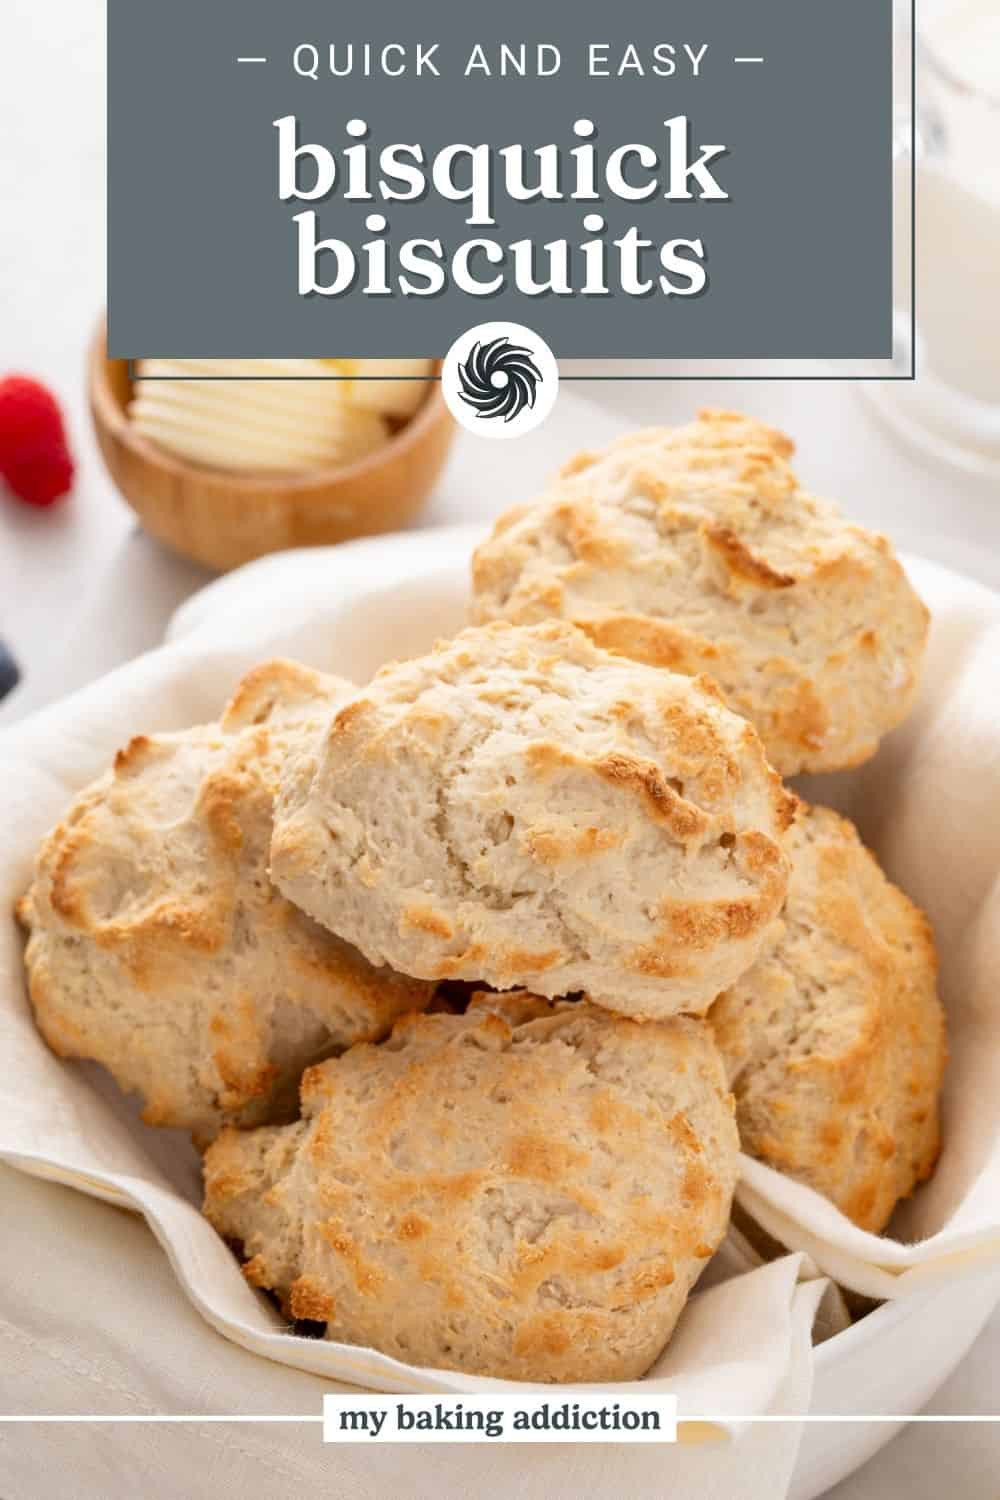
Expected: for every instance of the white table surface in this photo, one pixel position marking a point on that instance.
(81, 589)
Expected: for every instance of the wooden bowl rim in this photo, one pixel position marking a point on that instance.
(432, 413)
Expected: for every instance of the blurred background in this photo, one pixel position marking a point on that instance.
(81, 586)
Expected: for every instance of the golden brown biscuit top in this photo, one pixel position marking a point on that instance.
(834, 1041)
(696, 548)
(528, 1189)
(520, 807)
(158, 945)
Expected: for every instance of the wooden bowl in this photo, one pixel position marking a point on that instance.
(222, 518)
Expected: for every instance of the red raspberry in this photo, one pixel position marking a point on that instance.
(34, 456)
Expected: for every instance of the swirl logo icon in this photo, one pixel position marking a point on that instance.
(500, 380)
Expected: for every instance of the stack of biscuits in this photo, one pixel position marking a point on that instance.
(472, 984)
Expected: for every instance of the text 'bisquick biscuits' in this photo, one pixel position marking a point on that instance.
(160, 948)
(522, 808)
(527, 1191)
(834, 1041)
(695, 548)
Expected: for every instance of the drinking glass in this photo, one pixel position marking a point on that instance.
(953, 407)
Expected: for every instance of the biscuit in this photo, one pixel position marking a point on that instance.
(520, 808)
(834, 1042)
(528, 1191)
(695, 548)
(158, 946)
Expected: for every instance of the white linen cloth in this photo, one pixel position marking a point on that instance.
(118, 1296)
(743, 1346)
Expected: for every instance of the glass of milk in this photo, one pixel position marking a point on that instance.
(953, 406)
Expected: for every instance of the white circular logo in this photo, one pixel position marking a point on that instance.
(500, 380)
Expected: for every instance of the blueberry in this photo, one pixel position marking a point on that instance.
(9, 674)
